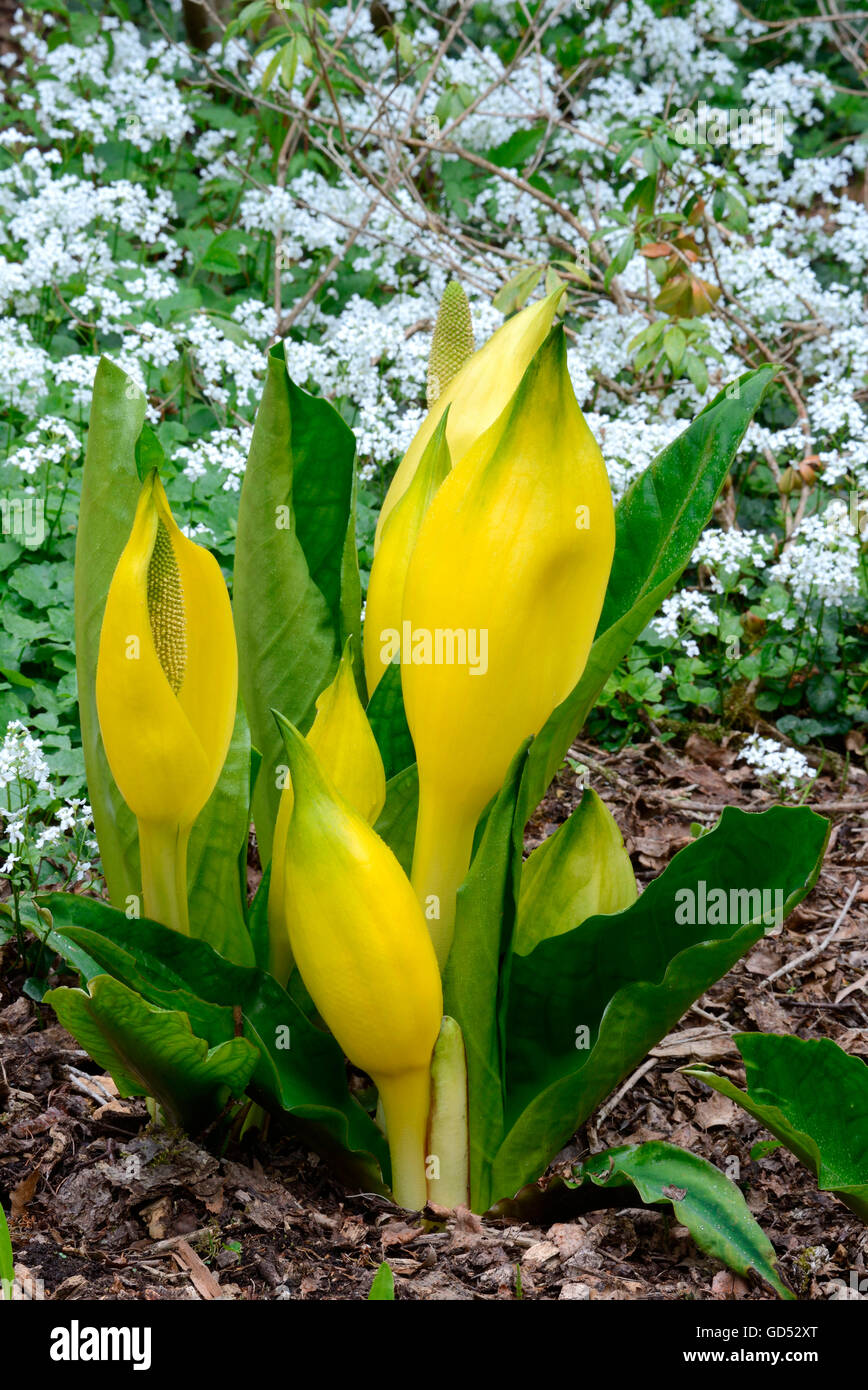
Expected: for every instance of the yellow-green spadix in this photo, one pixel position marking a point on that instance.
(477, 393)
(501, 602)
(166, 691)
(360, 941)
(344, 742)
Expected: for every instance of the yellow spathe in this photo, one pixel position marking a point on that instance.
(389, 570)
(166, 689)
(360, 941)
(514, 553)
(344, 742)
(477, 393)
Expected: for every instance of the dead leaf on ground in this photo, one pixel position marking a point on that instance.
(22, 1193)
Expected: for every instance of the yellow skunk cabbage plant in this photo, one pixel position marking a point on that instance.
(166, 692)
(380, 965)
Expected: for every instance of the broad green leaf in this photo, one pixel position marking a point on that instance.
(585, 1007)
(387, 719)
(109, 494)
(477, 973)
(703, 1199)
(581, 870)
(296, 589)
(217, 856)
(813, 1097)
(658, 522)
(382, 1285)
(151, 1051)
(300, 1068)
(38, 922)
(397, 822)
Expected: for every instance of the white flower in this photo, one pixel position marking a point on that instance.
(786, 766)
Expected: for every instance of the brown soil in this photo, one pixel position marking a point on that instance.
(105, 1207)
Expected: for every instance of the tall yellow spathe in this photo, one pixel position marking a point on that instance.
(477, 393)
(344, 742)
(361, 944)
(511, 566)
(389, 570)
(166, 691)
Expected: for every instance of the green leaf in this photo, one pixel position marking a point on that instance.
(674, 343)
(703, 1199)
(300, 1068)
(220, 257)
(154, 1052)
(517, 290)
(149, 453)
(813, 1097)
(585, 1007)
(580, 870)
(477, 973)
(621, 258)
(397, 822)
(109, 495)
(7, 1262)
(658, 523)
(383, 1285)
(296, 590)
(217, 856)
(389, 723)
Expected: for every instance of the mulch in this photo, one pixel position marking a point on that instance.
(104, 1206)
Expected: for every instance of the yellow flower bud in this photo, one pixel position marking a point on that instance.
(478, 392)
(389, 570)
(344, 742)
(501, 602)
(360, 942)
(166, 691)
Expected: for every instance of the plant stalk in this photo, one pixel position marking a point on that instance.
(405, 1101)
(441, 858)
(163, 853)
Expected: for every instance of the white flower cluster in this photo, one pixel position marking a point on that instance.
(22, 759)
(683, 613)
(53, 441)
(225, 451)
(727, 554)
(786, 767)
(822, 561)
(25, 777)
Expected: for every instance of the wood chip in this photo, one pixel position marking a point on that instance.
(202, 1279)
(706, 1044)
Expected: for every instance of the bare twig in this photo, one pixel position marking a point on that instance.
(821, 946)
